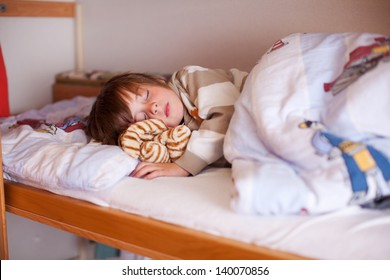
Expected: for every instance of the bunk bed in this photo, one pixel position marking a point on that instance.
(128, 231)
(175, 218)
(89, 215)
(178, 218)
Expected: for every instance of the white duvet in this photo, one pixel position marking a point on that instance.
(303, 140)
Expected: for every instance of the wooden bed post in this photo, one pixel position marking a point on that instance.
(3, 231)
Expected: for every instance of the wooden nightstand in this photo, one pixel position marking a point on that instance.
(70, 84)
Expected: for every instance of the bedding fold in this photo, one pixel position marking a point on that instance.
(295, 147)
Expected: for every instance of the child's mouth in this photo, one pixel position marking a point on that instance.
(167, 109)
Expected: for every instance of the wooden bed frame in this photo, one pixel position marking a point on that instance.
(144, 236)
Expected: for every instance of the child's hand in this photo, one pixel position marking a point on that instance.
(149, 170)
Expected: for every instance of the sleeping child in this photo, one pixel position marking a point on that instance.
(200, 98)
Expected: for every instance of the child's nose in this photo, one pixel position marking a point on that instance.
(154, 108)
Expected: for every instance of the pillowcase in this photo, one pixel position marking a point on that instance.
(58, 155)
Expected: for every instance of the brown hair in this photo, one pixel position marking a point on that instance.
(110, 114)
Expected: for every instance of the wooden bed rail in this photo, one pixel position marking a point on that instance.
(13, 8)
(141, 235)
(3, 231)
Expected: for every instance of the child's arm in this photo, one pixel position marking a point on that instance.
(149, 170)
(209, 96)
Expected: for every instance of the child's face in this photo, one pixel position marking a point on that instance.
(156, 102)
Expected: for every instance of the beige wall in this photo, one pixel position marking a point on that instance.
(164, 35)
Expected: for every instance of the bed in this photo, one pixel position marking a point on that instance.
(165, 218)
(133, 232)
(188, 220)
(143, 235)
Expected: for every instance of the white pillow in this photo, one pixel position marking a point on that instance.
(50, 157)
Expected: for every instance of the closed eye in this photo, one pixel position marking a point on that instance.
(146, 116)
(147, 95)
